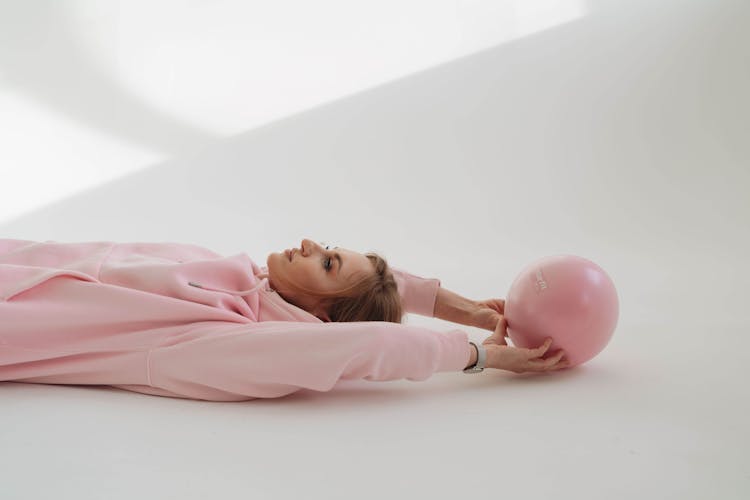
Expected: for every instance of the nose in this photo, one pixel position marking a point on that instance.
(306, 246)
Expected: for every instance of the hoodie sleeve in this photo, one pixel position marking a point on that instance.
(418, 295)
(221, 362)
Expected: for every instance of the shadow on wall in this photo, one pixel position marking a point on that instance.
(43, 57)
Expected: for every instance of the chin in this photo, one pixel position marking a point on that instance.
(273, 259)
(275, 268)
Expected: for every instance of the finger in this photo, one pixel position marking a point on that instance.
(539, 351)
(553, 360)
(546, 363)
(492, 339)
(498, 337)
(564, 363)
(500, 306)
(495, 304)
(501, 328)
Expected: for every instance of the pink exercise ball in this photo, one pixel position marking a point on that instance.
(568, 298)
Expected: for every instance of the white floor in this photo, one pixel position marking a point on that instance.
(622, 136)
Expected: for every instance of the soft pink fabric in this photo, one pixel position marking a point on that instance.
(127, 315)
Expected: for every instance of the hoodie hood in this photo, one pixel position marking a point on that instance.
(271, 306)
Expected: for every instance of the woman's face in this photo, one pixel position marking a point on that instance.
(313, 267)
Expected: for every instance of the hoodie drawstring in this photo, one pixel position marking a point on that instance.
(232, 292)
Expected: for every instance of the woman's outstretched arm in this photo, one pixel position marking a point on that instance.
(220, 361)
(453, 307)
(484, 314)
(426, 297)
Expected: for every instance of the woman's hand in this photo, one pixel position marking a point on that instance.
(487, 313)
(519, 359)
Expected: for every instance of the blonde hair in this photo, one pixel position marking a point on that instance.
(372, 297)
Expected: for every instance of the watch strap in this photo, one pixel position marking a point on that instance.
(481, 359)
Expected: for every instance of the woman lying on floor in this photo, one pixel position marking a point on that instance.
(180, 320)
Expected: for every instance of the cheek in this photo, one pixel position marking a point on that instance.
(311, 277)
(306, 274)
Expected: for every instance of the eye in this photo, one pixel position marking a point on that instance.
(327, 262)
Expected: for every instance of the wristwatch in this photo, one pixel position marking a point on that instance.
(481, 358)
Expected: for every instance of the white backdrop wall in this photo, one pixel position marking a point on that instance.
(613, 135)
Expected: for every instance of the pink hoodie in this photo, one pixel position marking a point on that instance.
(179, 320)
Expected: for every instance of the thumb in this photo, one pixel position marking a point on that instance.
(498, 337)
